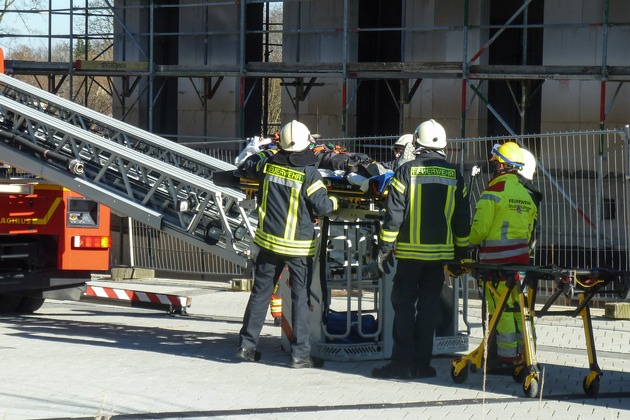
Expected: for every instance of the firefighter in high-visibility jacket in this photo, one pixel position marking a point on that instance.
(291, 195)
(502, 226)
(427, 221)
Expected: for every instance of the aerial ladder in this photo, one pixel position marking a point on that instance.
(156, 181)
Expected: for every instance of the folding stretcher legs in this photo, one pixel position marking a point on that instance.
(523, 281)
(591, 382)
(525, 370)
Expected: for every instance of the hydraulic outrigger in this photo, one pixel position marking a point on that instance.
(522, 281)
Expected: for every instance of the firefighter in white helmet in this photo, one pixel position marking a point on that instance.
(402, 151)
(501, 228)
(527, 178)
(426, 222)
(291, 195)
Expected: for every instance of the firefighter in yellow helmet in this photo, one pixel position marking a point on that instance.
(427, 221)
(291, 195)
(502, 227)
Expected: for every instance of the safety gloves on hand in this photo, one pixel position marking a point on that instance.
(458, 267)
(340, 203)
(384, 253)
(461, 253)
(454, 270)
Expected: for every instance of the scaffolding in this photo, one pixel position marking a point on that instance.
(298, 78)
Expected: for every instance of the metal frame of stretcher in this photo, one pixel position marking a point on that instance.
(523, 280)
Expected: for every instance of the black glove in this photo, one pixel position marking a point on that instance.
(461, 253)
(381, 260)
(342, 202)
(458, 267)
(454, 269)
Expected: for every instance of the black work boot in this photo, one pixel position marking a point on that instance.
(305, 362)
(248, 355)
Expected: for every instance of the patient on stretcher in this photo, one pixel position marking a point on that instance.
(342, 170)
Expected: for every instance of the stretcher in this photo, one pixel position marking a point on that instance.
(374, 193)
(579, 285)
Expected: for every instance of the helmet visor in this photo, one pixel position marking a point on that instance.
(498, 156)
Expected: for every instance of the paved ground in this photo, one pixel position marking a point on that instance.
(82, 360)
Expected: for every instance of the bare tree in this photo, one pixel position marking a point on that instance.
(14, 19)
(5, 9)
(92, 39)
(274, 95)
(20, 9)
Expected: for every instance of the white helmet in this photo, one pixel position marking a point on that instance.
(294, 137)
(430, 135)
(529, 165)
(404, 140)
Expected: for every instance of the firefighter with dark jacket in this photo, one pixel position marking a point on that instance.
(291, 195)
(427, 221)
(502, 227)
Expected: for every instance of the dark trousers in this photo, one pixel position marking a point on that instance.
(415, 299)
(269, 266)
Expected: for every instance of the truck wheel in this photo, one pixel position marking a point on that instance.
(9, 303)
(30, 304)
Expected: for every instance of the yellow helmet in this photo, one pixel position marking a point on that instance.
(508, 153)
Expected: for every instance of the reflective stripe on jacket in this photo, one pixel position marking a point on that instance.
(504, 219)
(427, 211)
(289, 199)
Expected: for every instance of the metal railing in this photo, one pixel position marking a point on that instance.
(583, 219)
(151, 248)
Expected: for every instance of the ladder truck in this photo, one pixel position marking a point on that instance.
(65, 167)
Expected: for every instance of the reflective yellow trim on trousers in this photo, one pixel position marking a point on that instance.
(506, 330)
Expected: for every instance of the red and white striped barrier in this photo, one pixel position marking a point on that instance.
(150, 300)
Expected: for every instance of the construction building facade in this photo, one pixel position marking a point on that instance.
(202, 71)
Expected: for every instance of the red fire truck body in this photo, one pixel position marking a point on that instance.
(51, 240)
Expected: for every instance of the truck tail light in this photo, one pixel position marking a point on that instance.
(92, 242)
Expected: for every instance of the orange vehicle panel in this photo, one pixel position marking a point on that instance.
(45, 211)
